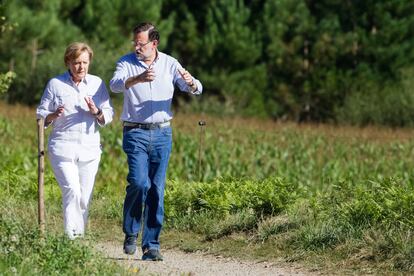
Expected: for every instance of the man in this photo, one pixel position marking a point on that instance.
(147, 78)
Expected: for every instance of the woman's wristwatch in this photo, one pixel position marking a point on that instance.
(98, 113)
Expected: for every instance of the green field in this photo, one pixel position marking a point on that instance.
(324, 196)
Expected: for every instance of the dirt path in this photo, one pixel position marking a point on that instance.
(180, 263)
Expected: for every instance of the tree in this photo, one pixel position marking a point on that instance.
(6, 78)
(36, 46)
(295, 59)
(288, 29)
(231, 51)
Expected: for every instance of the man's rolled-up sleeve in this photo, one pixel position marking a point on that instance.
(117, 83)
(105, 105)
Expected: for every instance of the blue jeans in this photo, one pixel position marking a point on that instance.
(148, 152)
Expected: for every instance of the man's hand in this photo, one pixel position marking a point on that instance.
(147, 76)
(186, 76)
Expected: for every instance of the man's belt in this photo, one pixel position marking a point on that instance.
(146, 126)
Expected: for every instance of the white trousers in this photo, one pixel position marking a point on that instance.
(76, 180)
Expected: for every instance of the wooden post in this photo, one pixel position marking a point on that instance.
(41, 174)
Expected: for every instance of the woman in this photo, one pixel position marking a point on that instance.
(77, 104)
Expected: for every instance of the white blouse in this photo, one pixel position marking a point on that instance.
(75, 134)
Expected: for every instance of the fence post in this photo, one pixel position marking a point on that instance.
(41, 174)
(200, 148)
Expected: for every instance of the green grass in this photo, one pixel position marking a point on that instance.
(330, 198)
(24, 251)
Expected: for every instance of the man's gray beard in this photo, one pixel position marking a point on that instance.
(141, 57)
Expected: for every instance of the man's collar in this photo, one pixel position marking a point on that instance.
(157, 57)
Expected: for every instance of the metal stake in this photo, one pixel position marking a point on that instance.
(201, 124)
(41, 175)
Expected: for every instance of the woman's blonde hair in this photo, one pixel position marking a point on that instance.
(75, 49)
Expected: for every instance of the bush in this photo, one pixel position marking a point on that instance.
(371, 103)
(23, 251)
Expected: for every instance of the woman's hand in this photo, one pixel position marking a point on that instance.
(53, 116)
(95, 111)
(91, 105)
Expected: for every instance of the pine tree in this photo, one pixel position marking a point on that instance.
(231, 51)
(6, 78)
(36, 46)
(288, 28)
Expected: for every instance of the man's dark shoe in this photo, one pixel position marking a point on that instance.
(152, 255)
(130, 245)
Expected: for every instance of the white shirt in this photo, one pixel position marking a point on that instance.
(75, 134)
(149, 102)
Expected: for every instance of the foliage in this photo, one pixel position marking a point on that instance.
(7, 78)
(23, 251)
(304, 60)
(223, 197)
(386, 202)
(371, 103)
(302, 189)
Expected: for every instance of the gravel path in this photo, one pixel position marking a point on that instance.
(180, 263)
